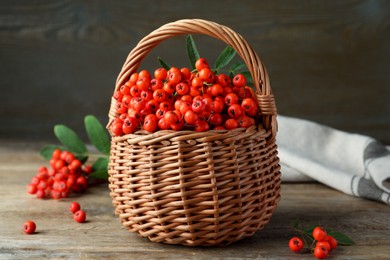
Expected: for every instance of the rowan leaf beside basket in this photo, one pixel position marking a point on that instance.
(70, 141)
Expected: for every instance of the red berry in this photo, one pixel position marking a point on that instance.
(56, 154)
(235, 111)
(239, 80)
(201, 126)
(324, 244)
(250, 106)
(206, 75)
(160, 73)
(29, 227)
(32, 189)
(201, 63)
(320, 252)
(55, 194)
(295, 244)
(190, 117)
(174, 76)
(74, 207)
(319, 234)
(231, 99)
(130, 125)
(116, 129)
(231, 123)
(150, 123)
(332, 242)
(79, 216)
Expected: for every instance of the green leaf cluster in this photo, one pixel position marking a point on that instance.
(70, 140)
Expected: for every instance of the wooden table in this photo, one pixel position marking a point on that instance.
(102, 236)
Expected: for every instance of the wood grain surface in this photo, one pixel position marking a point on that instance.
(58, 236)
(328, 60)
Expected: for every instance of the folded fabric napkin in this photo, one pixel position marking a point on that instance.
(354, 164)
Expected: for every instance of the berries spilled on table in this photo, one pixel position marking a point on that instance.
(66, 175)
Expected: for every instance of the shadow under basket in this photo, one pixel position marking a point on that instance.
(197, 188)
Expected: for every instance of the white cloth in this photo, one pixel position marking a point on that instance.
(354, 164)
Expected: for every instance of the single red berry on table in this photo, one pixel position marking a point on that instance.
(320, 252)
(325, 244)
(319, 234)
(29, 227)
(295, 244)
(74, 207)
(80, 216)
(332, 242)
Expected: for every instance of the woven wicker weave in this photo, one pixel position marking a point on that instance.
(197, 188)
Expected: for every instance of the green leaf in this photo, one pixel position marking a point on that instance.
(342, 239)
(100, 168)
(163, 64)
(70, 139)
(99, 174)
(192, 51)
(236, 67)
(100, 164)
(97, 134)
(225, 57)
(47, 151)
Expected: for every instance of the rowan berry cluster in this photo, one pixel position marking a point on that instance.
(66, 174)
(180, 99)
(321, 246)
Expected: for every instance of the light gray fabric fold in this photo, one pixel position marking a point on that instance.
(354, 164)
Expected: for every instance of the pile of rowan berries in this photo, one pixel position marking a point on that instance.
(66, 174)
(180, 99)
(321, 246)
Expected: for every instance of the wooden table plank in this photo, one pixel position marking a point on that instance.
(58, 236)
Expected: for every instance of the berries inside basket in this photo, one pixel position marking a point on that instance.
(193, 155)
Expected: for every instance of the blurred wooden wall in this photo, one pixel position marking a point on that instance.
(329, 61)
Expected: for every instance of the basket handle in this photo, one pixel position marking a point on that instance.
(258, 71)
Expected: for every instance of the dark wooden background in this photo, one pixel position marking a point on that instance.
(329, 61)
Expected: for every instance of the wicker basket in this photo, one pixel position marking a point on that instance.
(197, 188)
